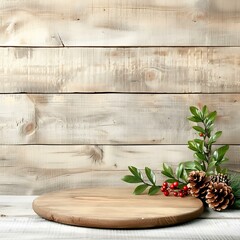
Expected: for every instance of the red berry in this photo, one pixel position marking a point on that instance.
(166, 193)
(175, 184)
(165, 184)
(201, 134)
(175, 194)
(185, 188)
(181, 194)
(172, 186)
(163, 189)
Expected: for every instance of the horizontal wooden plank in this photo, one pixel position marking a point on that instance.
(35, 169)
(158, 70)
(111, 118)
(25, 228)
(119, 23)
(21, 206)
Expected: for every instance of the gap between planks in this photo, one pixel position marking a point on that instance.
(127, 93)
(118, 46)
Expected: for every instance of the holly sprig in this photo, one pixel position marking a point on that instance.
(180, 175)
(137, 177)
(206, 159)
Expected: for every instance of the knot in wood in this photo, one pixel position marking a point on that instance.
(28, 128)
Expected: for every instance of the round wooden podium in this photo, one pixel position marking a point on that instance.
(116, 208)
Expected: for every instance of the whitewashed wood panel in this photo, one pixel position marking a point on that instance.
(111, 118)
(157, 69)
(20, 206)
(26, 228)
(35, 169)
(119, 23)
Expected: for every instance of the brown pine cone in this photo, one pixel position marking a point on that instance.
(220, 178)
(198, 184)
(219, 196)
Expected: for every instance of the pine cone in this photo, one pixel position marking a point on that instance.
(198, 184)
(219, 196)
(220, 178)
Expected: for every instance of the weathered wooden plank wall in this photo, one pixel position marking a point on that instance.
(110, 118)
(114, 78)
(120, 23)
(33, 169)
(151, 70)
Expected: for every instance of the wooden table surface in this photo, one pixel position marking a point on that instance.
(18, 221)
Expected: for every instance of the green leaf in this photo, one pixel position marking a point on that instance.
(224, 160)
(212, 164)
(198, 129)
(210, 127)
(200, 156)
(192, 145)
(165, 167)
(195, 111)
(150, 174)
(184, 175)
(131, 179)
(168, 169)
(205, 111)
(214, 138)
(211, 117)
(153, 190)
(136, 172)
(202, 147)
(171, 180)
(167, 174)
(140, 189)
(199, 141)
(179, 170)
(189, 165)
(194, 119)
(220, 152)
(211, 167)
(198, 166)
(215, 155)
